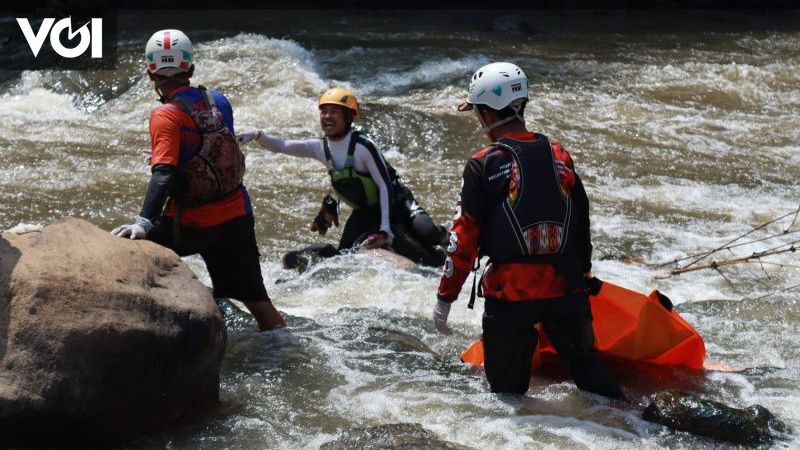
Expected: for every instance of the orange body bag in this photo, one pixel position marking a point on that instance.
(628, 326)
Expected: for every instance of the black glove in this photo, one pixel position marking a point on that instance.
(593, 286)
(328, 213)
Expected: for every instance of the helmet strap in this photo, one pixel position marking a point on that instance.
(158, 84)
(487, 128)
(503, 122)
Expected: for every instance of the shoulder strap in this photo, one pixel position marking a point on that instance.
(181, 103)
(209, 98)
(351, 150)
(475, 268)
(498, 144)
(327, 150)
(507, 208)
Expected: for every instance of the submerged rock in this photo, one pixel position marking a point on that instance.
(686, 412)
(397, 340)
(407, 436)
(235, 317)
(306, 257)
(100, 337)
(512, 25)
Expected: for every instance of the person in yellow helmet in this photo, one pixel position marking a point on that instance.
(385, 213)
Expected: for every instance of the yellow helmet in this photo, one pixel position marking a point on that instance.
(342, 97)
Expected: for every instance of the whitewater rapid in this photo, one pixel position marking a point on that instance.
(684, 140)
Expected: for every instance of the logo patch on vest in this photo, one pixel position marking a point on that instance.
(544, 238)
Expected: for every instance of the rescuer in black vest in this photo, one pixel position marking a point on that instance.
(523, 206)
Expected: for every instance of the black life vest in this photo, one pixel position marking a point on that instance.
(531, 224)
(357, 189)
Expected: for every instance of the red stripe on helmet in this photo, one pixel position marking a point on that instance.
(166, 41)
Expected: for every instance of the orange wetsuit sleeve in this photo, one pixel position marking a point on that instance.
(165, 136)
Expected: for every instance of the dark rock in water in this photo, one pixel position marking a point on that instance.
(686, 412)
(238, 319)
(235, 318)
(397, 340)
(305, 257)
(512, 25)
(100, 337)
(406, 436)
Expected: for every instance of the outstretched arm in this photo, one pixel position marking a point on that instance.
(307, 148)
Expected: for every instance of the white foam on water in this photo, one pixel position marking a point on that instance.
(24, 228)
(441, 101)
(273, 83)
(429, 72)
(36, 113)
(617, 117)
(315, 292)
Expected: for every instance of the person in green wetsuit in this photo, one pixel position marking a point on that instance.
(385, 213)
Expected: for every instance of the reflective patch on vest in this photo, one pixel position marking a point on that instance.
(502, 171)
(564, 177)
(544, 238)
(513, 184)
(453, 245)
(448, 267)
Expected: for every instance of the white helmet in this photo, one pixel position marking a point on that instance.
(497, 85)
(168, 52)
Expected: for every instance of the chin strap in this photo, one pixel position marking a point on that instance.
(163, 98)
(516, 106)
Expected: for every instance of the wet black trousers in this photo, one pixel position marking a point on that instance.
(229, 251)
(415, 233)
(509, 340)
(361, 223)
(414, 218)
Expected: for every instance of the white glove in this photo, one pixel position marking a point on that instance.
(136, 230)
(440, 313)
(247, 136)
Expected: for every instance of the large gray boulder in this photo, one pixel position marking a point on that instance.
(100, 337)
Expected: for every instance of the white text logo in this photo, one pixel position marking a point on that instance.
(87, 38)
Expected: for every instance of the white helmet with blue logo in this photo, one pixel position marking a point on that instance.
(496, 85)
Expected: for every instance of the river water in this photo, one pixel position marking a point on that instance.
(684, 130)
